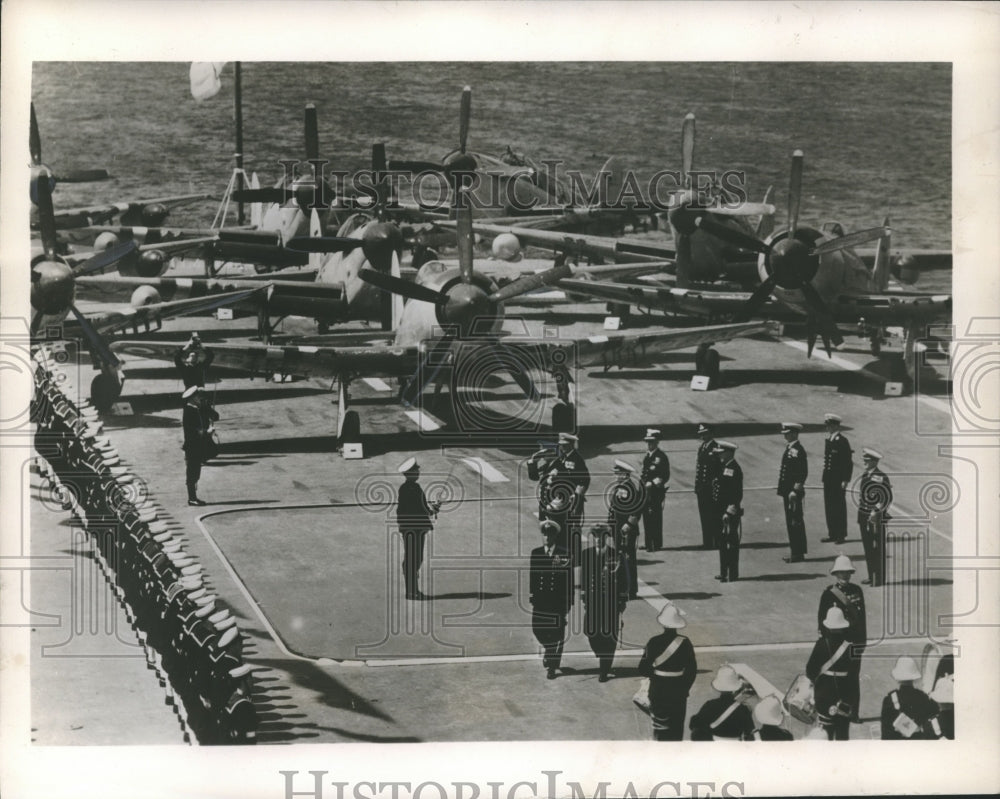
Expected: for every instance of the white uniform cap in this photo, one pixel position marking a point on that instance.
(672, 618)
(768, 711)
(228, 636)
(868, 452)
(831, 417)
(240, 671)
(549, 524)
(726, 679)
(786, 426)
(202, 612)
(408, 465)
(622, 466)
(219, 619)
(842, 564)
(720, 445)
(568, 438)
(835, 619)
(703, 428)
(905, 669)
(157, 526)
(652, 434)
(190, 571)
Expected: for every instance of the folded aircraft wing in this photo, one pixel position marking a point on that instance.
(97, 214)
(892, 308)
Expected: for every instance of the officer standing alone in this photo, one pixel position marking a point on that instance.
(791, 489)
(873, 512)
(838, 466)
(414, 515)
(729, 501)
(705, 475)
(669, 662)
(655, 477)
(197, 420)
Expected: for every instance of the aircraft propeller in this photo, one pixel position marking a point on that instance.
(791, 259)
(72, 176)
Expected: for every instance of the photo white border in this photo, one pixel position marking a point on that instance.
(966, 34)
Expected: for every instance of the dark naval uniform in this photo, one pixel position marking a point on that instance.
(193, 374)
(838, 467)
(655, 476)
(706, 472)
(722, 718)
(550, 591)
(196, 419)
(851, 600)
(729, 495)
(669, 662)
(829, 668)
(624, 521)
(605, 594)
(908, 714)
(794, 470)
(413, 514)
(559, 476)
(873, 506)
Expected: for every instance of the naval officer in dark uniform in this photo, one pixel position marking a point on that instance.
(729, 501)
(838, 467)
(414, 514)
(873, 512)
(851, 600)
(705, 475)
(655, 477)
(604, 590)
(563, 479)
(196, 420)
(550, 592)
(624, 505)
(792, 490)
(829, 669)
(669, 662)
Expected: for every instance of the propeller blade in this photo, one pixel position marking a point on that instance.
(278, 194)
(811, 336)
(379, 176)
(465, 116)
(520, 376)
(824, 319)
(428, 368)
(765, 225)
(97, 344)
(687, 149)
(529, 283)
(416, 166)
(463, 219)
(880, 272)
(795, 193)
(35, 140)
(378, 158)
(323, 244)
(311, 132)
(394, 309)
(105, 259)
(83, 176)
(412, 291)
(758, 298)
(46, 213)
(731, 235)
(744, 209)
(850, 240)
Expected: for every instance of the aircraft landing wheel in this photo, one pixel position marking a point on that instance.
(619, 309)
(563, 417)
(104, 390)
(350, 432)
(709, 366)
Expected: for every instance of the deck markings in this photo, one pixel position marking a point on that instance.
(377, 383)
(424, 421)
(490, 472)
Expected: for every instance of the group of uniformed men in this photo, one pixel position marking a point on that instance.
(195, 645)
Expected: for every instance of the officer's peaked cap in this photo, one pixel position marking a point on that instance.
(652, 434)
(622, 466)
(407, 466)
(868, 452)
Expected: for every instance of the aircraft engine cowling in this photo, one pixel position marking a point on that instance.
(152, 263)
(906, 270)
(507, 247)
(154, 214)
(105, 241)
(144, 295)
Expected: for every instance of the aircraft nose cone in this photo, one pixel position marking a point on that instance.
(381, 240)
(791, 264)
(52, 287)
(466, 303)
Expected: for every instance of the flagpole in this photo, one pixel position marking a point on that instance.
(238, 100)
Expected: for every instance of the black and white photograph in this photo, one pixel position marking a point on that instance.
(559, 400)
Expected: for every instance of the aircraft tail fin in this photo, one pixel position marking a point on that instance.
(256, 208)
(615, 169)
(315, 231)
(880, 272)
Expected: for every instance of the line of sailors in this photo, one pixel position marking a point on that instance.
(193, 643)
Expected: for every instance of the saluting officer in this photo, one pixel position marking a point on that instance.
(669, 662)
(829, 669)
(623, 515)
(192, 360)
(705, 475)
(725, 717)
(729, 500)
(550, 592)
(838, 466)
(792, 490)
(563, 475)
(851, 600)
(908, 714)
(655, 477)
(413, 514)
(873, 512)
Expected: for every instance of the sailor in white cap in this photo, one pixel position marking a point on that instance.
(550, 592)
(838, 467)
(562, 474)
(725, 717)
(908, 714)
(192, 360)
(769, 714)
(873, 512)
(829, 668)
(729, 500)
(624, 505)
(851, 600)
(655, 479)
(669, 662)
(414, 514)
(197, 420)
(705, 474)
(791, 489)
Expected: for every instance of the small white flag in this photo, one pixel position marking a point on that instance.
(205, 81)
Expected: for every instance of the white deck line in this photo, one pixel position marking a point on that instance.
(377, 383)
(490, 472)
(424, 421)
